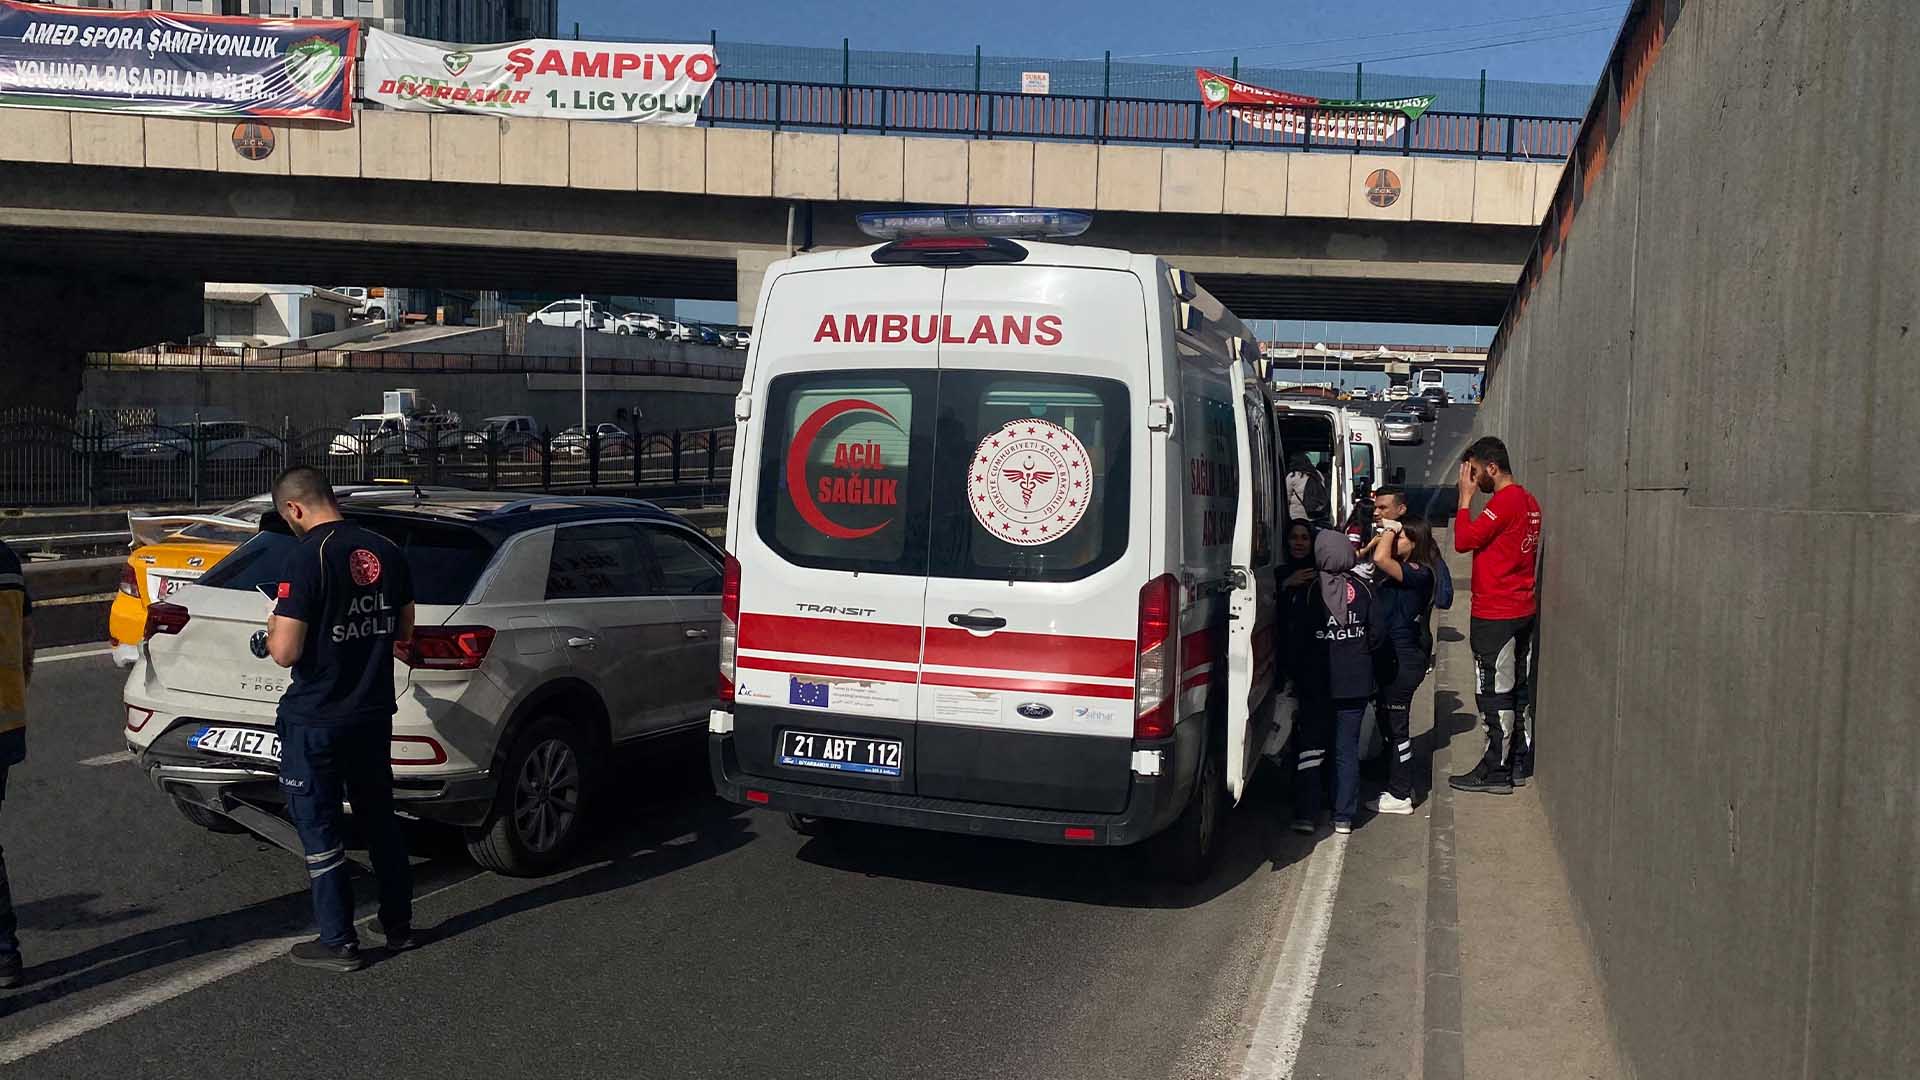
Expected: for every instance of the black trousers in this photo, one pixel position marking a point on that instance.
(9, 941)
(1503, 689)
(1394, 708)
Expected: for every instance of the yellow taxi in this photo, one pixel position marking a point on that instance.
(170, 550)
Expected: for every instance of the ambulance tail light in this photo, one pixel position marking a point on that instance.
(729, 625)
(166, 619)
(129, 580)
(445, 648)
(1157, 662)
(1002, 222)
(949, 251)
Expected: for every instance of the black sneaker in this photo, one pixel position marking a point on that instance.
(399, 939)
(1483, 780)
(1522, 771)
(10, 970)
(340, 958)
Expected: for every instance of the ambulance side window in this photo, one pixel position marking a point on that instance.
(1260, 445)
(844, 470)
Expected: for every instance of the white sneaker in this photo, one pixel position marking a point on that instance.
(1384, 803)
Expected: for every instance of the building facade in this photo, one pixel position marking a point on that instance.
(468, 21)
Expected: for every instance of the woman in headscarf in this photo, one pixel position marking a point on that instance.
(1334, 633)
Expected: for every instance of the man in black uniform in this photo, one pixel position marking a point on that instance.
(345, 598)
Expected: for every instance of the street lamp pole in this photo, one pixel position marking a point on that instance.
(583, 365)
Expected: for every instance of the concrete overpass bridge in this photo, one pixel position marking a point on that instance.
(127, 215)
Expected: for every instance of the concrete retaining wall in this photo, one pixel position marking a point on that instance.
(1713, 391)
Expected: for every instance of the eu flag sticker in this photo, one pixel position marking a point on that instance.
(811, 694)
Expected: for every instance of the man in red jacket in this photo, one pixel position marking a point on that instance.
(1505, 543)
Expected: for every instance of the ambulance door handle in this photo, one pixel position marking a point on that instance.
(976, 622)
(586, 642)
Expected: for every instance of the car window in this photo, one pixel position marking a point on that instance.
(685, 568)
(1361, 454)
(445, 562)
(605, 559)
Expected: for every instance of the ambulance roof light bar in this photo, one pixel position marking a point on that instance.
(1006, 222)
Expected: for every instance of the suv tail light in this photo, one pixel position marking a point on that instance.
(129, 580)
(166, 618)
(729, 626)
(445, 648)
(1157, 664)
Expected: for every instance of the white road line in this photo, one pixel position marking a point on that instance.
(48, 658)
(1274, 1043)
(233, 962)
(114, 758)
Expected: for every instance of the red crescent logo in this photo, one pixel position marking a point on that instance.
(810, 511)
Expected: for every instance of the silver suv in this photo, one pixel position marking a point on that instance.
(549, 630)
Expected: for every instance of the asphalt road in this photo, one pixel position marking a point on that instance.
(1432, 464)
(693, 939)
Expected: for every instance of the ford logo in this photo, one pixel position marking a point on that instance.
(1033, 710)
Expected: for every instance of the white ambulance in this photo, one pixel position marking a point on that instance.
(1003, 537)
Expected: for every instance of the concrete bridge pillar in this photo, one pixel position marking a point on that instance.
(54, 317)
(750, 269)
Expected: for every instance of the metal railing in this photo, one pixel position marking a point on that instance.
(48, 460)
(987, 114)
(214, 357)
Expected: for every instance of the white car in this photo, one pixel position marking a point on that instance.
(569, 313)
(638, 324)
(368, 303)
(1401, 427)
(550, 630)
(1396, 393)
(1360, 393)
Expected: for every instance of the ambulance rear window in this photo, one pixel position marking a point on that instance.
(844, 470)
(1032, 476)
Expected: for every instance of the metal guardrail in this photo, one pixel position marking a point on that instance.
(221, 358)
(49, 460)
(987, 114)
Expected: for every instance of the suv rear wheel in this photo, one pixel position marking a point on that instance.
(1186, 850)
(542, 804)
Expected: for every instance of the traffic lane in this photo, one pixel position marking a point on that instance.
(698, 939)
(1432, 464)
(114, 890)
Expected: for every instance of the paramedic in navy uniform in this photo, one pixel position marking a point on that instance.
(345, 597)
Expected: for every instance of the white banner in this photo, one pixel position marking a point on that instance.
(575, 80)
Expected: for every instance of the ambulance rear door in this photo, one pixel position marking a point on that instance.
(1253, 611)
(831, 526)
(1040, 542)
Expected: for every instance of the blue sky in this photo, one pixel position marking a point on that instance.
(1557, 41)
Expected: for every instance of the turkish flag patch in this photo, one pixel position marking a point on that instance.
(285, 590)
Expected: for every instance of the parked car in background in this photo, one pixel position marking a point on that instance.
(1401, 427)
(1360, 393)
(569, 313)
(637, 323)
(743, 337)
(614, 441)
(550, 630)
(514, 433)
(704, 334)
(679, 331)
(219, 440)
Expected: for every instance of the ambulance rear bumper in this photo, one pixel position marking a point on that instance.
(1153, 802)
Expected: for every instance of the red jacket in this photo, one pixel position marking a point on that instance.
(1505, 542)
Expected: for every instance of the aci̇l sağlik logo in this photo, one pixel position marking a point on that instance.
(1215, 90)
(852, 482)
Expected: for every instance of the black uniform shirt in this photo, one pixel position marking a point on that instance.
(349, 585)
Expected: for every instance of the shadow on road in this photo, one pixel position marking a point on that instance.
(1256, 839)
(73, 911)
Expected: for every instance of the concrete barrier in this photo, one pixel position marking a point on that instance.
(1711, 387)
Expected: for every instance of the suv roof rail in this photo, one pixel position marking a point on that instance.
(523, 505)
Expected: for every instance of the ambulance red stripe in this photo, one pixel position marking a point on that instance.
(1106, 658)
(831, 637)
(838, 671)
